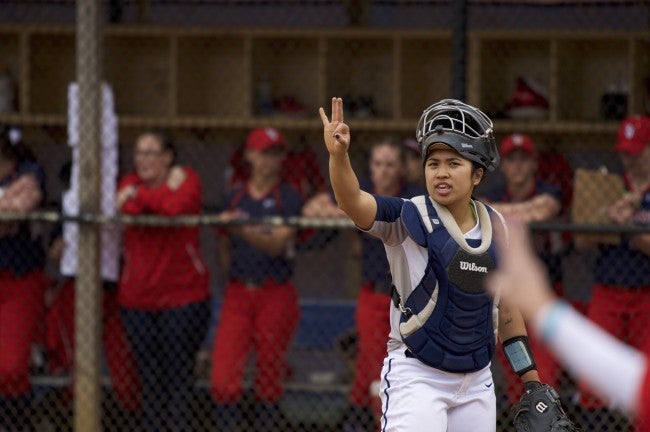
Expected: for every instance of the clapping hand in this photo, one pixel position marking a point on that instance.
(176, 177)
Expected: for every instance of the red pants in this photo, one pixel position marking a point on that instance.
(59, 341)
(372, 317)
(21, 309)
(264, 318)
(625, 314)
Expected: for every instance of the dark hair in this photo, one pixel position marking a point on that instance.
(166, 142)
(12, 146)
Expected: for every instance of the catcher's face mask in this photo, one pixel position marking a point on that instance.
(462, 127)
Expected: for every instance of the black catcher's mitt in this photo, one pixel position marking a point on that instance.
(540, 410)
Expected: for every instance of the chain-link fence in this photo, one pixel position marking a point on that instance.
(154, 275)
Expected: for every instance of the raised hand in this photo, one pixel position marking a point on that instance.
(336, 133)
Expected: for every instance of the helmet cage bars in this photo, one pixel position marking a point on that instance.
(462, 127)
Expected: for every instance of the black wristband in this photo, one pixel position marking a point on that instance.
(519, 355)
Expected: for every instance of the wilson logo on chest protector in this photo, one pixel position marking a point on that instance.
(464, 265)
(466, 271)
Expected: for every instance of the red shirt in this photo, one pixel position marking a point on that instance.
(163, 267)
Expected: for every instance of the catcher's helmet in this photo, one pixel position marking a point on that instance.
(462, 127)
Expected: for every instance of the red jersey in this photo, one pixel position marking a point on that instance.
(163, 267)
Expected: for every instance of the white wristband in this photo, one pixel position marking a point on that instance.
(549, 319)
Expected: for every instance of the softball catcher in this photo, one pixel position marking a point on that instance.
(444, 324)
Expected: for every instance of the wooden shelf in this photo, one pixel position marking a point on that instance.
(559, 127)
(576, 69)
(24, 120)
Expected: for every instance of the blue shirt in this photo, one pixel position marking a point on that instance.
(21, 252)
(247, 262)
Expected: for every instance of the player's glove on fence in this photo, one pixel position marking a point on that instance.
(540, 410)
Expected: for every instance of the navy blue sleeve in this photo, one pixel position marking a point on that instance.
(550, 189)
(388, 208)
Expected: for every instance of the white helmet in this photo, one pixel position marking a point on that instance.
(462, 127)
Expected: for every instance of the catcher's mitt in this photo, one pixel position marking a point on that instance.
(540, 410)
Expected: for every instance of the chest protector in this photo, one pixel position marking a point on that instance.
(449, 321)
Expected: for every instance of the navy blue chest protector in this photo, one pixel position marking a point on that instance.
(448, 321)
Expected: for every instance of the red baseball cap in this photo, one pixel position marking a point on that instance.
(517, 141)
(264, 138)
(633, 135)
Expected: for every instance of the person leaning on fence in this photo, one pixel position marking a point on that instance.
(260, 305)
(22, 282)
(620, 301)
(163, 289)
(444, 325)
(525, 197)
(387, 177)
(300, 169)
(619, 372)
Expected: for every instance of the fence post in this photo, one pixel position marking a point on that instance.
(459, 49)
(87, 388)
